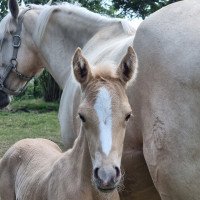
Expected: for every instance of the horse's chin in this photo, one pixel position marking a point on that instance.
(4, 99)
(107, 190)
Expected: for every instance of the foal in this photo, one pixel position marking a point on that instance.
(36, 169)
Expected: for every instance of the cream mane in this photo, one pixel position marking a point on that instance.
(90, 17)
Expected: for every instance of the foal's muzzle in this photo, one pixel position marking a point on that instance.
(4, 99)
(107, 179)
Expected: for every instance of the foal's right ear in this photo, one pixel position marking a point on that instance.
(128, 66)
(81, 68)
(14, 8)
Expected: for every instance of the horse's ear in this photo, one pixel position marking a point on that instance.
(14, 8)
(128, 65)
(81, 68)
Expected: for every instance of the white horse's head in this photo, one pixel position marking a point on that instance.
(104, 111)
(19, 60)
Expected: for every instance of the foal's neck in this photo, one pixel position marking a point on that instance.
(80, 154)
(81, 169)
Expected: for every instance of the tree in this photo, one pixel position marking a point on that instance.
(3, 8)
(140, 8)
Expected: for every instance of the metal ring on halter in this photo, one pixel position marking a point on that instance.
(14, 62)
(19, 41)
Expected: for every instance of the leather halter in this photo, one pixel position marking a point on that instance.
(13, 62)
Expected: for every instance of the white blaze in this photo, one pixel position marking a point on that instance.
(103, 108)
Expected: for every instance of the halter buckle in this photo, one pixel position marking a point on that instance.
(17, 39)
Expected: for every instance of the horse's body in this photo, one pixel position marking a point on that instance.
(36, 169)
(168, 86)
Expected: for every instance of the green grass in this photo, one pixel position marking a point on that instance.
(37, 105)
(35, 122)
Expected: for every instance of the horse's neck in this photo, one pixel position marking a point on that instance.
(77, 161)
(80, 151)
(64, 33)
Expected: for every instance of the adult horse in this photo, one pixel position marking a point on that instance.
(168, 88)
(48, 37)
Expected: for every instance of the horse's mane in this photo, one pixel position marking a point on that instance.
(89, 16)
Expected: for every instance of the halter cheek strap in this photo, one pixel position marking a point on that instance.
(13, 62)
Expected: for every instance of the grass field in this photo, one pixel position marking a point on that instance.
(28, 119)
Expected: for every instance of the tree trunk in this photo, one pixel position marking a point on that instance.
(51, 90)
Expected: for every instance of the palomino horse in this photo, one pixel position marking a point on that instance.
(48, 37)
(168, 86)
(36, 169)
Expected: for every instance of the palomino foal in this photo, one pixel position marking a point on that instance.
(36, 169)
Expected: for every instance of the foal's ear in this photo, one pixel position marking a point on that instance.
(14, 8)
(81, 68)
(128, 65)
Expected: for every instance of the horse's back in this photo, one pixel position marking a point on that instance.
(22, 164)
(168, 46)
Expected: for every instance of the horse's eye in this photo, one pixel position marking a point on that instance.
(128, 116)
(81, 117)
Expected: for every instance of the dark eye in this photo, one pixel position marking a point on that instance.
(128, 117)
(81, 117)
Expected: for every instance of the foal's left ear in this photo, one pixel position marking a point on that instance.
(82, 71)
(128, 65)
(14, 8)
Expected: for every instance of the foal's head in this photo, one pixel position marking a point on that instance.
(104, 111)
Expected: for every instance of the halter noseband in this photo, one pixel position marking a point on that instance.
(13, 62)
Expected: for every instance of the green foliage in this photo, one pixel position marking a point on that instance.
(99, 7)
(50, 89)
(3, 8)
(93, 5)
(140, 8)
(34, 90)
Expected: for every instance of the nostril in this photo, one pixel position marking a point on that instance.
(96, 173)
(117, 171)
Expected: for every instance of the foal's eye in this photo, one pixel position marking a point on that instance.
(81, 117)
(128, 116)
